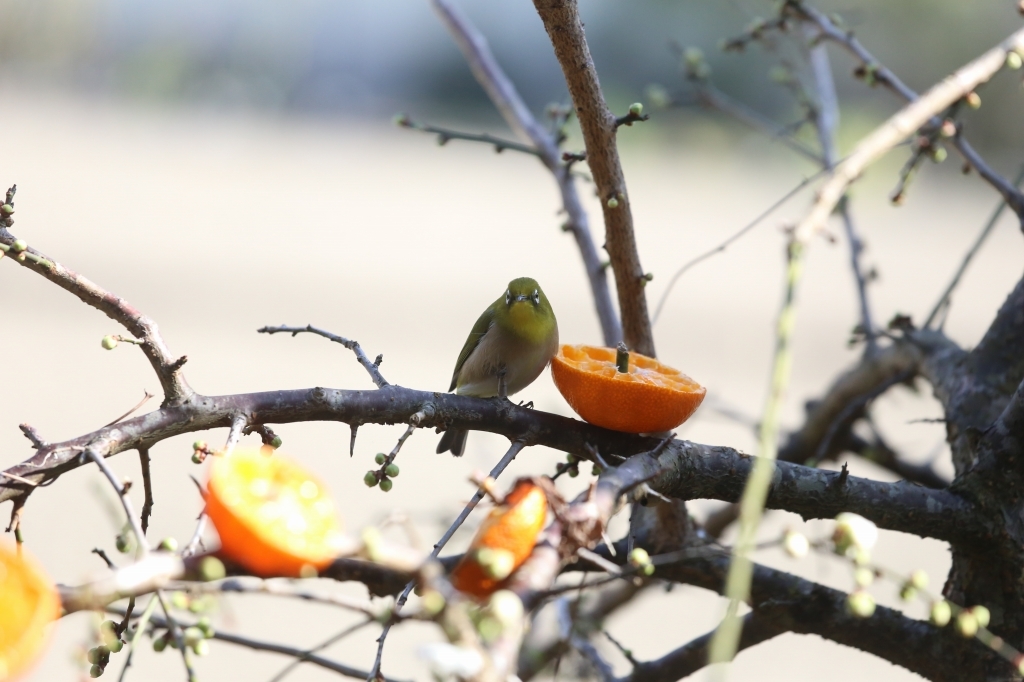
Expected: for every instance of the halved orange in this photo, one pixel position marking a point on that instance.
(503, 542)
(28, 604)
(649, 398)
(273, 517)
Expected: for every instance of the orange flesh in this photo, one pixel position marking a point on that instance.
(272, 516)
(649, 398)
(513, 527)
(28, 604)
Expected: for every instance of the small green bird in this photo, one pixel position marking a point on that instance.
(513, 340)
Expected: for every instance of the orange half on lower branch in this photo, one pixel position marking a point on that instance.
(504, 540)
(273, 517)
(647, 398)
(28, 604)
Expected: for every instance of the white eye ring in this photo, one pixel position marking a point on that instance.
(536, 296)
(508, 297)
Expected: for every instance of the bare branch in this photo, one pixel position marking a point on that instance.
(371, 367)
(565, 29)
(172, 381)
(986, 66)
(517, 115)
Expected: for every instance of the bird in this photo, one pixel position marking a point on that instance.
(511, 344)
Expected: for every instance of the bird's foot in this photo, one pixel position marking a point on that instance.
(528, 405)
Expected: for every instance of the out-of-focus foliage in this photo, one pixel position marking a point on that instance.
(374, 58)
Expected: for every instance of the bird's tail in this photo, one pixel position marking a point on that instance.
(453, 440)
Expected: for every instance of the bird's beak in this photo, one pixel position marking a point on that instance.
(522, 297)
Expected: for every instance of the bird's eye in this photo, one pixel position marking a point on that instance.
(508, 297)
(535, 296)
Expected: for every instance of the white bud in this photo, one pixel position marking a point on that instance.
(795, 544)
(854, 532)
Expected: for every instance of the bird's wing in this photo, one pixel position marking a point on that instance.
(479, 329)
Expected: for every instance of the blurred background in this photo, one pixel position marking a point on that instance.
(224, 165)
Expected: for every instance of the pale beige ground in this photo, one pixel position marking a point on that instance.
(215, 225)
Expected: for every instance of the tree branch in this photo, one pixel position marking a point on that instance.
(517, 115)
(565, 29)
(167, 367)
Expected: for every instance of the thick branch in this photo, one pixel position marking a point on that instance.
(565, 29)
(696, 471)
(517, 115)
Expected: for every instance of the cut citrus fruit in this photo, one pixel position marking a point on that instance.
(503, 542)
(273, 517)
(28, 604)
(649, 398)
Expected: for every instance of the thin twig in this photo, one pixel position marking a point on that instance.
(446, 134)
(177, 633)
(140, 628)
(371, 367)
(502, 464)
(320, 647)
(147, 487)
(728, 242)
(126, 502)
(145, 399)
(944, 301)
(825, 117)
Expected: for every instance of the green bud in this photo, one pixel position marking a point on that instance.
(95, 671)
(982, 615)
(179, 600)
(596, 469)
(115, 646)
(860, 604)
(973, 100)
(95, 654)
(433, 602)
(636, 109)
(919, 579)
(570, 458)
(199, 445)
(197, 457)
(574, 472)
(386, 484)
(109, 342)
(490, 628)
(160, 643)
(907, 592)
(370, 479)
(200, 604)
(380, 458)
(658, 96)
(648, 569)
(124, 542)
(192, 635)
(7, 209)
(863, 576)
(497, 563)
(212, 568)
(276, 442)
(201, 648)
(940, 613)
(967, 624)
(206, 626)
(939, 155)
(391, 470)
(639, 557)
(613, 203)
(19, 245)
(169, 544)
(1013, 61)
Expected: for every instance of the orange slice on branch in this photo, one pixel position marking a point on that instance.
(503, 542)
(273, 517)
(646, 398)
(28, 604)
